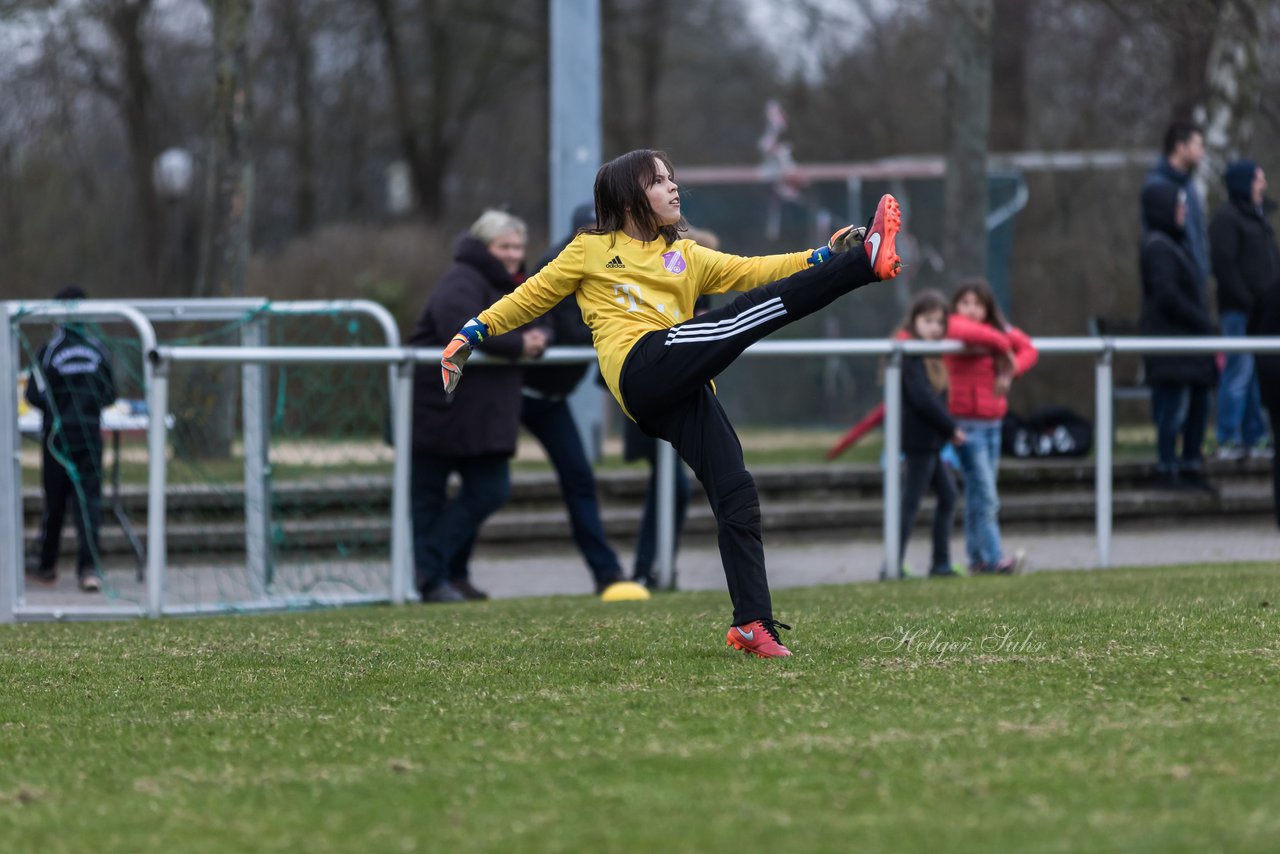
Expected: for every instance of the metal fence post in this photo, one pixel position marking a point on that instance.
(257, 468)
(666, 462)
(157, 441)
(892, 466)
(11, 558)
(401, 525)
(1104, 435)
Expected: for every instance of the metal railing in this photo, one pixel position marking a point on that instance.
(401, 362)
(1102, 349)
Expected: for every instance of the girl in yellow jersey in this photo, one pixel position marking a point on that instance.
(635, 281)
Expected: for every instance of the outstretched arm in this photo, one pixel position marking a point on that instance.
(720, 272)
(535, 297)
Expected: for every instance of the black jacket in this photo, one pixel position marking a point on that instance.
(926, 424)
(1245, 255)
(567, 330)
(72, 378)
(482, 416)
(1174, 299)
(1264, 319)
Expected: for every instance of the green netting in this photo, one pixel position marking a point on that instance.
(325, 508)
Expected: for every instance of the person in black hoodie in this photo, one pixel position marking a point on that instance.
(926, 427)
(1264, 319)
(545, 412)
(1175, 304)
(1245, 257)
(71, 383)
(472, 431)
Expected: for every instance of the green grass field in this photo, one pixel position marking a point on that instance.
(1119, 710)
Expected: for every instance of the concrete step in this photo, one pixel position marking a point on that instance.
(858, 517)
(815, 482)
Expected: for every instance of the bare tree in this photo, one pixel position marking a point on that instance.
(1232, 78)
(633, 48)
(463, 53)
(297, 37)
(1009, 93)
(229, 194)
(123, 77)
(968, 121)
(228, 202)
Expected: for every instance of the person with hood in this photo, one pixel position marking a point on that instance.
(545, 412)
(1245, 259)
(1264, 319)
(1183, 151)
(472, 431)
(71, 383)
(1175, 304)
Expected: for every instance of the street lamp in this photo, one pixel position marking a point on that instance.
(172, 175)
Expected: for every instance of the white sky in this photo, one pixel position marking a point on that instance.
(798, 34)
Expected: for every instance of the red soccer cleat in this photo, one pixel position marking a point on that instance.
(759, 637)
(882, 236)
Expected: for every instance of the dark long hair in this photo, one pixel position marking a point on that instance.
(620, 192)
(980, 288)
(924, 303)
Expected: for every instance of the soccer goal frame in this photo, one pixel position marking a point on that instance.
(144, 315)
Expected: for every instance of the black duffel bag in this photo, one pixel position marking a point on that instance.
(1054, 431)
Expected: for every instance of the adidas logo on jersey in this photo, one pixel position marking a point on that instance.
(615, 264)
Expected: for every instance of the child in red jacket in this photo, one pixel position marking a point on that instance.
(979, 383)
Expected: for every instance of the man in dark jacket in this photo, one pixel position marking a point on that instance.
(1183, 151)
(473, 431)
(71, 383)
(546, 414)
(1264, 319)
(1245, 259)
(1175, 304)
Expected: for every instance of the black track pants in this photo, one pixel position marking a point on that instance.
(86, 503)
(666, 387)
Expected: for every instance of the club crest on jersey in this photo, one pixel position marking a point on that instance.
(673, 261)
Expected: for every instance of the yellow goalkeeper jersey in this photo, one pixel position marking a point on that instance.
(626, 288)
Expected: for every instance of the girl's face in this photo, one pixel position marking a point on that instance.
(930, 325)
(969, 306)
(508, 248)
(663, 195)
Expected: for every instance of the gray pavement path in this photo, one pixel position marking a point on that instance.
(794, 561)
(802, 561)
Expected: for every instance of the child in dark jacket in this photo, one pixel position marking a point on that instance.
(926, 427)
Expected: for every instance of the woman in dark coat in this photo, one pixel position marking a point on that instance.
(1175, 304)
(472, 431)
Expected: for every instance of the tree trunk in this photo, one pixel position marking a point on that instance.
(229, 201)
(968, 121)
(1191, 30)
(402, 104)
(1009, 104)
(1233, 78)
(298, 38)
(228, 205)
(135, 102)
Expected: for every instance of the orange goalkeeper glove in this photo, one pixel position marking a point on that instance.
(842, 241)
(458, 350)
